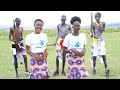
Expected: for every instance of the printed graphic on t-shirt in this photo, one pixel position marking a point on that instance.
(77, 44)
(40, 44)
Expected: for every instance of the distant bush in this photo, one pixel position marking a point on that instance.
(113, 29)
(53, 32)
(85, 30)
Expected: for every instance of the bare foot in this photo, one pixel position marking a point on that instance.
(17, 76)
(21, 63)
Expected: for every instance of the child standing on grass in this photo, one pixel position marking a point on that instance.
(63, 29)
(37, 41)
(16, 36)
(98, 46)
(74, 44)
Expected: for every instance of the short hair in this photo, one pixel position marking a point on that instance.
(16, 19)
(63, 16)
(75, 18)
(38, 20)
(98, 14)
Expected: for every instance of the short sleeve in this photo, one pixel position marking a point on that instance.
(27, 40)
(66, 42)
(46, 39)
(85, 40)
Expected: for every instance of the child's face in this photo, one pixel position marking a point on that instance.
(97, 17)
(76, 26)
(38, 26)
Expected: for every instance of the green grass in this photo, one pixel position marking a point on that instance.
(111, 37)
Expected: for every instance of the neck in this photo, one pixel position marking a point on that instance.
(17, 25)
(63, 23)
(76, 33)
(37, 32)
(98, 21)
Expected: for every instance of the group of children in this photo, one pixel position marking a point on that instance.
(72, 44)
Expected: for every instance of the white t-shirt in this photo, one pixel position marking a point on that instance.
(76, 42)
(38, 42)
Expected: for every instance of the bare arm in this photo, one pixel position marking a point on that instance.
(22, 34)
(66, 50)
(11, 35)
(77, 53)
(57, 36)
(29, 52)
(92, 31)
(41, 57)
(103, 29)
(70, 29)
(83, 51)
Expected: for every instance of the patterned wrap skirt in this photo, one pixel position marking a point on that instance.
(76, 67)
(38, 69)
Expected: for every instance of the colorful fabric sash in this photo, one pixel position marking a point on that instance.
(60, 42)
(98, 40)
(18, 43)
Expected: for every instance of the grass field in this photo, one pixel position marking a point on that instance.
(111, 37)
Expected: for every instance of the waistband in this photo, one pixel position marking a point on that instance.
(98, 40)
(18, 42)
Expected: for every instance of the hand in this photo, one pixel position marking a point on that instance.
(38, 58)
(91, 35)
(77, 53)
(42, 57)
(45, 54)
(82, 53)
(54, 44)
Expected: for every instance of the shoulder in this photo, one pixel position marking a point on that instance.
(69, 35)
(83, 34)
(94, 23)
(58, 25)
(102, 22)
(11, 28)
(21, 28)
(44, 34)
(30, 34)
(69, 25)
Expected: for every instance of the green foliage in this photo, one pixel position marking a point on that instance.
(112, 45)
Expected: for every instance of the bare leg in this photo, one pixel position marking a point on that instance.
(57, 67)
(104, 60)
(63, 64)
(94, 65)
(25, 62)
(107, 71)
(16, 66)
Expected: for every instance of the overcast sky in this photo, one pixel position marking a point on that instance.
(52, 18)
